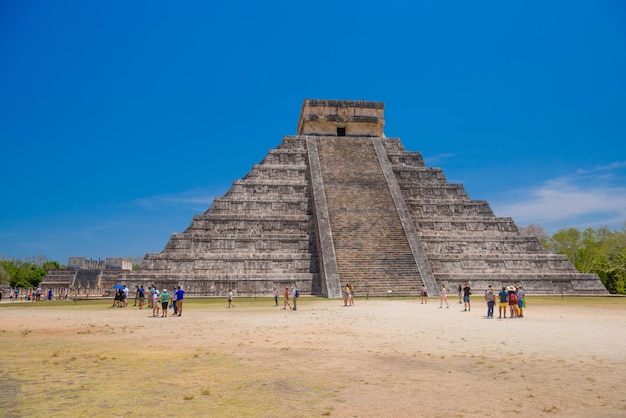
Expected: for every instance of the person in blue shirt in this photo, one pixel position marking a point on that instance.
(504, 302)
(180, 295)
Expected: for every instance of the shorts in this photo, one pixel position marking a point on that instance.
(520, 303)
(466, 299)
(503, 304)
(164, 305)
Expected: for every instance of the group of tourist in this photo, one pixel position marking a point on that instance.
(294, 294)
(511, 297)
(120, 300)
(159, 302)
(34, 295)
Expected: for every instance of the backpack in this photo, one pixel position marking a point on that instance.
(297, 293)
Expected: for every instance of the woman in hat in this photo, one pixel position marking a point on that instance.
(512, 301)
(166, 299)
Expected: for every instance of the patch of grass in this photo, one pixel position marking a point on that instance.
(550, 409)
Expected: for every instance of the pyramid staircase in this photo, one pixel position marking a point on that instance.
(371, 248)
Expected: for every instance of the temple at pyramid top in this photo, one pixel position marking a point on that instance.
(341, 118)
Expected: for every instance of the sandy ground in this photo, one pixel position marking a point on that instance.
(380, 358)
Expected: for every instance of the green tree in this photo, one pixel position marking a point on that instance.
(565, 241)
(22, 273)
(599, 251)
(615, 250)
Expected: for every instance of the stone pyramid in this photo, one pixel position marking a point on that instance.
(341, 203)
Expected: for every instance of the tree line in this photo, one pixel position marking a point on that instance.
(600, 251)
(26, 273)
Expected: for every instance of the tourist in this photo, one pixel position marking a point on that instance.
(275, 297)
(165, 299)
(230, 299)
(136, 295)
(424, 295)
(49, 293)
(152, 290)
(155, 303)
(490, 298)
(180, 295)
(115, 298)
(1, 295)
(512, 301)
(521, 301)
(17, 294)
(466, 297)
(504, 302)
(295, 294)
(350, 295)
(443, 296)
(174, 305)
(286, 295)
(345, 293)
(460, 292)
(126, 292)
(142, 296)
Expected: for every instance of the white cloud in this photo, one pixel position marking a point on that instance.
(198, 199)
(586, 198)
(435, 160)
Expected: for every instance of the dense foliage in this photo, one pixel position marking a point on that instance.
(25, 273)
(599, 251)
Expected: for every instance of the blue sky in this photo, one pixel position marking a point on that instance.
(120, 120)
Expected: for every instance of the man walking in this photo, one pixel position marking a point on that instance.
(180, 295)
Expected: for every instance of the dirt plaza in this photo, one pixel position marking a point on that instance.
(384, 357)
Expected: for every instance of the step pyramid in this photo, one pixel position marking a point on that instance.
(341, 203)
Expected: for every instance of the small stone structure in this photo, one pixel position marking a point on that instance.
(87, 276)
(342, 203)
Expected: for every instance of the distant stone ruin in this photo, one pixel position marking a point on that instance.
(341, 203)
(86, 277)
